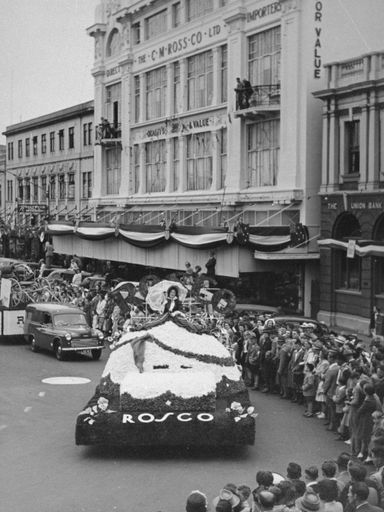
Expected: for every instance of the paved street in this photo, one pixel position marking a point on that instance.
(42, 470)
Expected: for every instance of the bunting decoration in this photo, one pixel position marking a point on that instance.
(261, 238)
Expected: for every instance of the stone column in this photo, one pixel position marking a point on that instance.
(215, 134)
(142, 171)
(143, 85)
(184, 84)
(324, 156)
(216, 75)
(373, 144)
(333, 177)
(168, 166)
(98, 153)
(169, 97)
(126, 117)
(364, 146)
(183, 164)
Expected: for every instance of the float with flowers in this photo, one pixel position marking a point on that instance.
(168, 383)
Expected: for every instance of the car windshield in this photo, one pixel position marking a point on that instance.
(69, 319)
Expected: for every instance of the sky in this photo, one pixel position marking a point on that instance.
(46, 57)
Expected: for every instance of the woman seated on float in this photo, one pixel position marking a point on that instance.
(172, 301)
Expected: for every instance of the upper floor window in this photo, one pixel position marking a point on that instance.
(177, 96)
(87, 134)
(34, 142)
(43, 143)
(113, 170)
(9, 190)
(198, 8)
(224, 73)
(35, 189)
(113, 44)
(52, 142)
(136, 167)
(155, 166)
(61, 140)
(352, 132)
(61, 186)
(52, 187)
(200, 80)
(264, 57)
(263, 153)
(71, 137)
(71, 185)
(199, 161)
(86, 191)
(156, 92)
(176, 14)
(10, 150)
(136, 33)
(20, 189)
(156, 24)
(137, 97)
(20, 148)
(27, 147)
(43, 189)
(112, 107)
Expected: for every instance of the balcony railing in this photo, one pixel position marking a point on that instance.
(258, 98)
(108, 134)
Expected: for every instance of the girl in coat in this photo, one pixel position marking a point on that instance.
(309, 389)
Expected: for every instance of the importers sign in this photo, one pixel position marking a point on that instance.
(32, 208)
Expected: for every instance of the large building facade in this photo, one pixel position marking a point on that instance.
(49, 167)
(352, 192)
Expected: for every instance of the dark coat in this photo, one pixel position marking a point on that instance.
(364, 420)
(330, 380)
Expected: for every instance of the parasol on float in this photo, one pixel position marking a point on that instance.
(157, 294)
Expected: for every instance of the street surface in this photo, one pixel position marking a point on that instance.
(42, 470)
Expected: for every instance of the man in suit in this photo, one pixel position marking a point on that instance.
(358, 495)
(330, 383)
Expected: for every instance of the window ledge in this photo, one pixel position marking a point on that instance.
(350, 177)
(345, 291)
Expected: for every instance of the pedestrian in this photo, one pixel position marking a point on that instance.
(309, 389)
(328, 494)
(211, 265)
(247, 92)
(309, 502)
(239, 93)
(196, 502)
(48, 253)
(364, 421)
(330, 383)
(311, 475)
(359, 493)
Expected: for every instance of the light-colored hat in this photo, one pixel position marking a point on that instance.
(310, 502)
(227, 495)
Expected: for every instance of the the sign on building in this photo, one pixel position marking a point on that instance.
(32, 208)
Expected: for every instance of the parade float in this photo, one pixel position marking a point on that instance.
(168, 383)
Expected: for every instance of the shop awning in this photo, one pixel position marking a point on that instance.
(286, 254)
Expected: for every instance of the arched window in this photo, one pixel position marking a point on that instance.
(348, 269)
(113, 44)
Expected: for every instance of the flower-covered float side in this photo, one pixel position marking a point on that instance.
(168, 384)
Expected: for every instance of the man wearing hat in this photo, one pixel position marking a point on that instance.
(310, 502)
(228, 493)
(330, 383)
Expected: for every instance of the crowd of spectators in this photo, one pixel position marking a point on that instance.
(342, 485)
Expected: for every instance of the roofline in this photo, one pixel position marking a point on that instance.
(66, 113)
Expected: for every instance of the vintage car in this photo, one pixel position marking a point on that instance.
(168, 383)
(61, 328)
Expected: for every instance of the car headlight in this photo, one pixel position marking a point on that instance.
(68, 337)
(100, 335)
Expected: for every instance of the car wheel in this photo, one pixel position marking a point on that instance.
(34, 347)
(59, 352)
(96, 354)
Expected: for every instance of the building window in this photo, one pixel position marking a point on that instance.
(176, 14)
(263, 140)
(62, 193)
(176, 163)
(113, 100)
(43, 188)
(200, 80)
(27, 147)
(177, 96)
(86, 185)
(224, 73)
(136, 33)
(71, 186)
(34, 144)
(35, 189)
(155, 166)
(113, 160)
(156, 24)
(10, 150)
(137, 97)
(20, 148)
(43, 143)
(9, 190)
(20, 189)
(52, 187)
(199, 161)
(52, 142)
(223, 156)
(61, 140)
(156, 93)
(113, 44)
(87, 134)
(136, 165)
(198, 8)
(264, 57)
(349, 272)
(71, 137)
(352, 133)
(27, 190)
